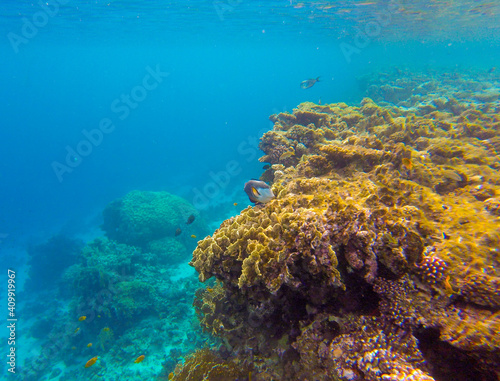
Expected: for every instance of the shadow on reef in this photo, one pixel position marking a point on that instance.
(378, 259)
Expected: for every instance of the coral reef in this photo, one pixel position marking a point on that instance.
(207, 365)
(378, 259)
(136, 299)
(141, 217)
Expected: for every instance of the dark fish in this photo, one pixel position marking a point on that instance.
(308, 83)
(267, 166)
(190, 219)
(492, 70)
(178, 231)
(258, 192)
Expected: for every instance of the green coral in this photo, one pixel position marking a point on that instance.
(133, 298)
(168, 250)
(141, 217)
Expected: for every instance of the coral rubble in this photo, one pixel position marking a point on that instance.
(384, 232)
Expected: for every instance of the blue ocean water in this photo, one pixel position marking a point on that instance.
(100, 98)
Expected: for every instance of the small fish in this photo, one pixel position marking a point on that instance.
(190, 219)
(106, 329)
(210, 289)
(82, 318)
(171, 375)
(139, 359)
(99, 316)
(267, 166)
(73, 348)
(452, 175)
(308, 83)
(178, 231)
(407, 163)
(491, 70)
(76, 330)
(235, 204)
(91, 362)
(193, 236)
(258, 192)
(89, 345)
(287, 154)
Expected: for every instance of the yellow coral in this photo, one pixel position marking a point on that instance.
(205, 365)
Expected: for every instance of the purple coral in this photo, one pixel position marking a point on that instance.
(378, 352)
(359, 254)
(432, 269)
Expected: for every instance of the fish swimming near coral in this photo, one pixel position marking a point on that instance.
(407, 163)
(308, 83)
(139, 359)
(287, 154)
(91, 362)
(258, 192)
(190, 219)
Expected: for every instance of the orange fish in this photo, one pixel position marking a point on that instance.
(91, 362)
(407, 163)
(235, 204)
(82, 318)
(139, 359)
(193, 236)
(170, 375)
(89, 345)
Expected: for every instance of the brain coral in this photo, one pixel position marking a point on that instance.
(141, 217)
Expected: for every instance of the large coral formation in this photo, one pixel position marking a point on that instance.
(384, 230)
(141, 217)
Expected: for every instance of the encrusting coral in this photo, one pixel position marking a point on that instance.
(384, 230)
